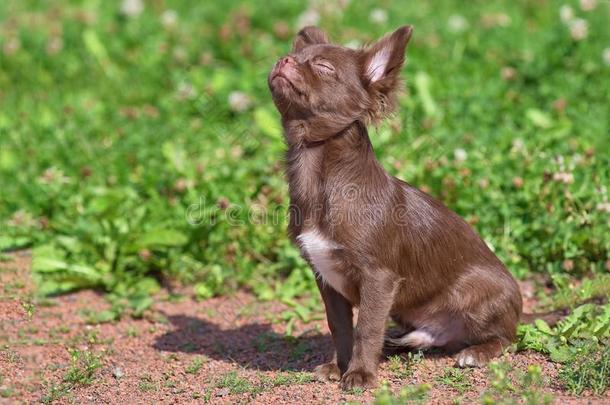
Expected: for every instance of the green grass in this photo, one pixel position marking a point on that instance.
(588, 369)
(403, 368)
(509, 387)
(456, 379)
(84, 366)
(125, 159)
(147, 383)
(236, 384)
(195, 365)
(7, 392)
(410, 394)
(82, 372)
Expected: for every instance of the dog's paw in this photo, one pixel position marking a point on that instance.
(327, 372)
(479, 355)
(471, 357)
(358, 378)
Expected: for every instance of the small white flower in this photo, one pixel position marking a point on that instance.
(11, 46)
(457, 23)
(180, 54)
(566, 13)
(503, 19)
(53, 175)
(186, 91)
(460, 155)
(169, 18)
(239, 101)
(21, 218)
(560, 160)
(579, 29)
(132, 8)
(564, 177)
(603, 206)
(588, 5)
(508, 73)
(55, 45)
(606, 56)
(118, 373)
(378, 16)
(518, 145)
(496, 20)
(308, 17)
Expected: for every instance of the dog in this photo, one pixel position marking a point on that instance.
(375, 242)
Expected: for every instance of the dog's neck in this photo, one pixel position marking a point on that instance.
(316, 167)
(336, 141)
(313, 130)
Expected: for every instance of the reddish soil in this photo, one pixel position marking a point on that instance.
(238, 341)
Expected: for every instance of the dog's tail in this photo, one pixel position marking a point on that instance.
(552, 317)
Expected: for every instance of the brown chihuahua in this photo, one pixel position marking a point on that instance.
(374, 241)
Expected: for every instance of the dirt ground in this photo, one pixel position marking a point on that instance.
(222, 350)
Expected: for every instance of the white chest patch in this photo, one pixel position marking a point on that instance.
(318, 249)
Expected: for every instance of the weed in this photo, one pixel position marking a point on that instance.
(7, 392)
(589, 368)
(147, 384)
(132, 332)
(402, 367)
(410, 394)
(299, 349)
(46, 302)
(398, 367)
(456, 379)
(11, 356)
(587, 325)
(195, 365)
(63, 329)
(292, 377)
(356, 391)
(11, 287)
(84, 366)
(172, 357)
(264, 340)
(93, 317)
(188, 347)
(169, 383)
(236, 384)
(525, 389)
(81, 372)
(29, 307)
(55, 393)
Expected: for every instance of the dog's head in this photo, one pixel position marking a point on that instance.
(323, 80)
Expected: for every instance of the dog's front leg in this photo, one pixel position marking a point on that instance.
(339, 316)
(377, 291)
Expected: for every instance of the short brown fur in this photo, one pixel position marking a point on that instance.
(395, 251)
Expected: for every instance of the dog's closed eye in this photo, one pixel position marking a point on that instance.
(324, 66)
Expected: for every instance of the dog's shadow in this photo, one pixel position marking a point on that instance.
(254, 346)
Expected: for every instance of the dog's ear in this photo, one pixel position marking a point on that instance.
(381, 62)
(309, 36)
(380, 69)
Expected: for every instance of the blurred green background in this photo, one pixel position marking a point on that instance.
(139, 143)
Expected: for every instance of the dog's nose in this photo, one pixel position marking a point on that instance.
(286, 60)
